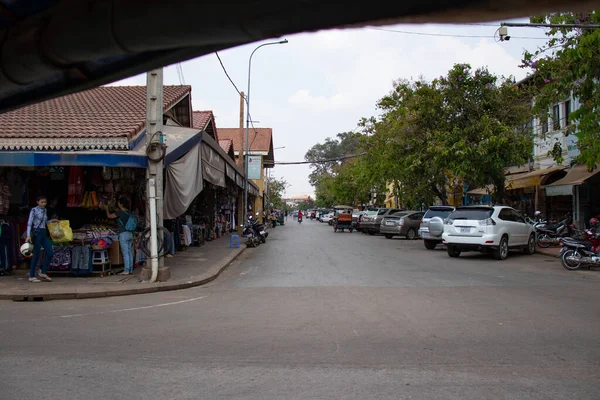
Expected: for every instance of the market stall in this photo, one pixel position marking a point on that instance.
(85, 241)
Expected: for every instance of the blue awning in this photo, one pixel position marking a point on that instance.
(103, 158)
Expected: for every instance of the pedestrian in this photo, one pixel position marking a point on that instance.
(36, 231)
(122, 215)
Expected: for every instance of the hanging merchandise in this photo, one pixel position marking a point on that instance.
(75, 188)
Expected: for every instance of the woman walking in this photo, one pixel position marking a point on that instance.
(125, 237)
(36, 230)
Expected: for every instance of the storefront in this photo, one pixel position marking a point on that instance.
(523, 191)
(203, 205)
(578, 192)
(86, 242)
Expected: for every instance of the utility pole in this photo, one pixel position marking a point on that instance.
(156, 149)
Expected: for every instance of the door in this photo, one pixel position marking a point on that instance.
(522, 226)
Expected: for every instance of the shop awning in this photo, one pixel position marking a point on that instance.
(482, 191)
(94, 158)
(192, 157)
(575, 176)
(529, 179)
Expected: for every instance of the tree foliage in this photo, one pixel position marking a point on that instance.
(466, 127)
(276, 188)
(569, 63)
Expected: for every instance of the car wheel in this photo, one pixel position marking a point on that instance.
(430, 244)
(453, 251)
(530, 249)
(411, 234)
(389, 236)
(502, 251)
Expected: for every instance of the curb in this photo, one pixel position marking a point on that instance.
(160, 287)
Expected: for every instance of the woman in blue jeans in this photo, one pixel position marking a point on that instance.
(125, 237)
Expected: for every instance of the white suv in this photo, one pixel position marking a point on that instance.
(494, 229)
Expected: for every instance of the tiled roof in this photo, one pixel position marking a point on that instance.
(201, 119)
(103, 112)
(225, 144)
(260, 138)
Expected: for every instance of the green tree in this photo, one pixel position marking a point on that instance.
(276, 188)
(569, 63)
(465, 127)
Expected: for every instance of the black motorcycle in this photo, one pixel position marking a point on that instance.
(259, 230)
(549, 235)
(576, 253)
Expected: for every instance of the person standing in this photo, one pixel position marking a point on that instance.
(36, 230)
(122, 215)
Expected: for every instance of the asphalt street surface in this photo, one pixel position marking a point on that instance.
(314, 314)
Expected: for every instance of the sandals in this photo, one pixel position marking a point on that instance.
(34, 280)
(45, 277)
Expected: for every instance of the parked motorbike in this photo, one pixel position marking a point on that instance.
(548, 235)
(575, 254)
(252, 240)
(259, 230)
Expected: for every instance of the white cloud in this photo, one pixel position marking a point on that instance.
(303, 98)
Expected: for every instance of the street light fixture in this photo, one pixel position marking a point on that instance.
(284, 41)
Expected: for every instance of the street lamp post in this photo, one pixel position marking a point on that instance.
(248, 125)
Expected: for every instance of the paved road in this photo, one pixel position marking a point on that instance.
(318, 315)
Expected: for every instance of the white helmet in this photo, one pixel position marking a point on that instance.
(537, 213)
(27, 249)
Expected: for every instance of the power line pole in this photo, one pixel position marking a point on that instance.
(155, 151)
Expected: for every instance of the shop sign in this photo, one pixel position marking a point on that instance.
(559, 190)
(254, 167)
(523, 183)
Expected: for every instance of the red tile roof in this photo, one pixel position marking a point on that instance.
(225, 144)
(201, 119)
(260, 138)
(103, 112)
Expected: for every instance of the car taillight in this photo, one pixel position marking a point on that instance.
(487, 221)
(561, 243)
(421, 223)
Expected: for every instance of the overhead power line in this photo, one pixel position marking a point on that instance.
(319, 161)
(244, 97)
(448, 34)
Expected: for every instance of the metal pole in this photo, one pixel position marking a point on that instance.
(248, 127)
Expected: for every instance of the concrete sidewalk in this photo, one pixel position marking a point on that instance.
(193, 267)
(550, 251)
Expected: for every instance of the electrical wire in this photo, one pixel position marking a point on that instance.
(240, 93)
(448, 34)
(319, 161)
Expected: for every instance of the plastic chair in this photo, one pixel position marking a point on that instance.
(234, 241)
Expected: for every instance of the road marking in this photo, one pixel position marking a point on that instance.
(158, 305)
(134, 308)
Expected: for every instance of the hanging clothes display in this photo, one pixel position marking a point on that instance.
(76, 187)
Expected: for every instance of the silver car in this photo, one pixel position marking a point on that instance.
(433, 237)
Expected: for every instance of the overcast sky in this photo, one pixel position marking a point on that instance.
(320, 84)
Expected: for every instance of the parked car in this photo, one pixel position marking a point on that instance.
(403, 223)
(493, 229)
(356, 214)
(434, 237)
(371, 222)
(327, 217)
